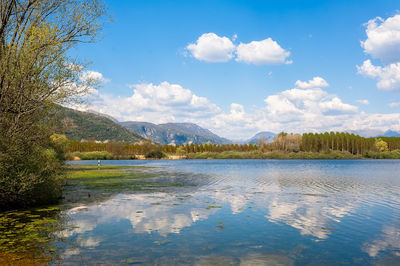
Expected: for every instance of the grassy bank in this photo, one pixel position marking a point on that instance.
(92, 183)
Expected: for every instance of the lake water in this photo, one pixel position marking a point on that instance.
(243, 212)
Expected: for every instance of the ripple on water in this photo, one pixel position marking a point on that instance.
(252, 212)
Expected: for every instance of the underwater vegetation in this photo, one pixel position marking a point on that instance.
(27, 237)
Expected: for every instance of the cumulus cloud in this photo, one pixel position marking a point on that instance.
(210, 47)
(388, 76)
(305, 108)
(383, 42)
(160, 103)
(262, 52)
(236, 121)
(394, 104)
(316, 82)
(363, 101)
(335, 105)
(383, 39)
(299, 104)
(95, 76)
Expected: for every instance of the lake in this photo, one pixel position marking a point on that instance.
(240, 212)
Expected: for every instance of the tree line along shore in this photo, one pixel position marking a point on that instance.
(328, 145)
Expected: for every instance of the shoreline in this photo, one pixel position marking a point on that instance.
(277, 155)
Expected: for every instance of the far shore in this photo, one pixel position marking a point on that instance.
(257, 155)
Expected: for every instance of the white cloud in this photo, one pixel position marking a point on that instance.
(388, 76)
(305, 108)
(234, 37)
(383, 39)
(363, 101)
(296, 105)
(316, 82)
(95, 76)
(383, 42)
(156, 103)
(262, 52)
(394, 104)
(235, 123)
(335, 105)
(212, 48)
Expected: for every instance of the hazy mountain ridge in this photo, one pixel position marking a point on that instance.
(77, 125)
(268, 136)
(265, 136)
(375, 133)
(176, 133)
(391, 133)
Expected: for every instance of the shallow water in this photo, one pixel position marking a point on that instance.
(287, 212)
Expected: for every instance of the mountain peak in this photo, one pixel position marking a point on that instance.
(265, 136)
(175, 133)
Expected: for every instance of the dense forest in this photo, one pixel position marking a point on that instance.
(77, 125)
(284, 142)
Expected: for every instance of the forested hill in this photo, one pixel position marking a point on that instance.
(78, 125)
(177, 133)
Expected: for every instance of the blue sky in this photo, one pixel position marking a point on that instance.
(225, 65)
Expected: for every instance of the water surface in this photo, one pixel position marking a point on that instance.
(242, 212)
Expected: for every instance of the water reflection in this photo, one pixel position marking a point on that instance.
(244, 209)
(160, 212)
(389, 240)
(168, 213)
(236, 213)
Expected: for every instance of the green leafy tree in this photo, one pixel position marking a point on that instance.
(381, 145)
(35, 73)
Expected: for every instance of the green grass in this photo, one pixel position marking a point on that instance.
(106, 174)
(213, 207)
(102, 167)
(113, 179)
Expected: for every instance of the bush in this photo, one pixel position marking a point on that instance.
(31, 173)
(155, 154)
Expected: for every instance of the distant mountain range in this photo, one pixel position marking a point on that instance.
(376, 133)
(175, 133)
(391, 133)
(265, 136)
(270, 136)
(77, 125)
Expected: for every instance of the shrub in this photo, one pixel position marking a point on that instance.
(155, 154)
(30, 173)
